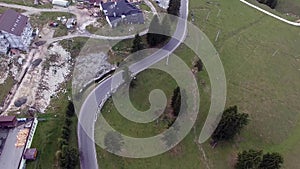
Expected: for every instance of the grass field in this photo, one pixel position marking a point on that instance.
(5, 88)
(283, 7)
(48, 132)
(262, 64)
(46, 17)
(289, 6)
(27, 3)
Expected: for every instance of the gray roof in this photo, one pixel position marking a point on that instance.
(30, 154)
(114, 11)
(13, 22)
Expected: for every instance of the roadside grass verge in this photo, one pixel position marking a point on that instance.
(280, 8)
(144, 7)
(289, 6)
(3, 9)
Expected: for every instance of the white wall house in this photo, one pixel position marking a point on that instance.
(62, 3)
(16, 30)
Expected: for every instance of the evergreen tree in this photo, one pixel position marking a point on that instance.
(271, 161)
(174, 7)
(249, 159)
(69, 157)
(166, 28)
(199, 65)
(176, 101)
(71, 110)
(137, 44)
(152, 38)
(231, 124)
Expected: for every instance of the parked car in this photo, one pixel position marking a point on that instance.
(53, 24)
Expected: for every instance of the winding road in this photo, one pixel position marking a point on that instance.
(88, 112)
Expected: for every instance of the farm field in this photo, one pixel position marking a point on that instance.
(261, 57)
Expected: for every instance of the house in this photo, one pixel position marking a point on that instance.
(30, 154)
(4, 45)
(71, 22)
(96, 3)
(122, 11)
(15, 30)
(62, 3)
(8, 121)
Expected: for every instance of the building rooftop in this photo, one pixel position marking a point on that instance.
(119, 8)
(30, 154)
(13, 22)
(7, 118)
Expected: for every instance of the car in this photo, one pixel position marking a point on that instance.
(53, 24)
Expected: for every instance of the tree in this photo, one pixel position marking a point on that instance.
(231, 124)
(174, 7)
(271, 161)
(166, 28)
(137, 44)
(71, 110)
(271, 3)
(199, 65)
(249, 159)
(69, 157)
(65, 134)
(152, 38)
(176, 101)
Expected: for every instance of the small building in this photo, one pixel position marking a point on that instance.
(95, 3)
(71, 22)
(30, 154)
(122, 11)
(16, 30)
(62, 3)
(4, 45)
(8, 121)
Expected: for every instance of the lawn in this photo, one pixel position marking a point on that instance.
(27, 3)
(185, 155)
(283, 7)
(261, 59)
(40, 20)
(289, 6)
(3, 9)
(48, 132)
(144, 7)
(5, 88)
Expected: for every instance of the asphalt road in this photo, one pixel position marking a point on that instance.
(87, 115)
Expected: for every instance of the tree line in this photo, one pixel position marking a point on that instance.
(67, 155)
(271, 3)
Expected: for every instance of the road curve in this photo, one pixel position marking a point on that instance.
(270, 14)
(87, 114)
